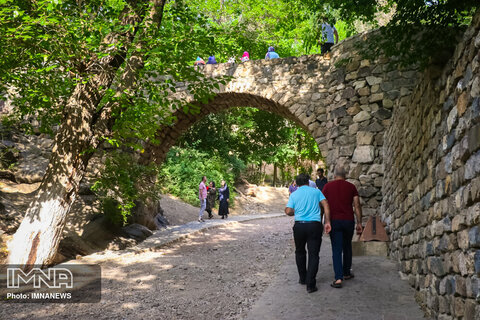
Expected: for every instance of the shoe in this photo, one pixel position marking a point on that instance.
(350, 276)
(336, 284)
(223, 217)
(310, 290)
(201, 220)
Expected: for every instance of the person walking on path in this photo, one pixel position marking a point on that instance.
(312, 183)
(328, 34)
(304, 204)
(202, 195)
(341, 196)
(292, 188)
(321, 180)
(224, 197)
(211, 196)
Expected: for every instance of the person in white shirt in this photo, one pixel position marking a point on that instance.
(329, 37)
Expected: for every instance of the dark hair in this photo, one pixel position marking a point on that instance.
(302, 179)
(213, 184)
(203, 177)
(320, 170)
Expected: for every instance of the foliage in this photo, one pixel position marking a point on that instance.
(417, 31)
(254, 25)
(50, 47)
(123, 182)
(184, 168)
(255, 137)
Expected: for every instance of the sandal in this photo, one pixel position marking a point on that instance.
(350, 276)
(336, 284)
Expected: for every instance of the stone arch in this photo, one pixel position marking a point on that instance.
(345, 102)
(221, 102)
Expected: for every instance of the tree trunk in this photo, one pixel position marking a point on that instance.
(36, 240)
(274, 174)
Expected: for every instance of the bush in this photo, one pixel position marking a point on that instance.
(183, 169)
(123, 182)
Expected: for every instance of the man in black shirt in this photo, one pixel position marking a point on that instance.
(322, 180)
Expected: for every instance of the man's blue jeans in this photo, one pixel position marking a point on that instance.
(341, 238)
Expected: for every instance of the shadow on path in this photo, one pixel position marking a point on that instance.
(376, 292)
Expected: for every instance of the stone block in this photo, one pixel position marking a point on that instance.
(473, 286)
(367, 191)
(435, 265)
(375, 127)
(364, 154)
(462, 238)
(462, 103)
(362, 116)
(459, 307)
(387, 103)
(472, 167)
(370, 248)
(382, 114)
(364, 91)
(472, 310)
(460, 286)
(473, 140)
(376, 97)
(476, 262)
(365, 179)
(364, 138)
(359, 84)
(346, 151)
(373, 80)
(474, 237)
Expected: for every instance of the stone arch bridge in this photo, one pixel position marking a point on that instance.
(344, 102)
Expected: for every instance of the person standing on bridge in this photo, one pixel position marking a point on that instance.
(202, 195)
(211, 60)
(342, 196)
(304, 204)
(245, 57)
(271, 54)
(328, 34)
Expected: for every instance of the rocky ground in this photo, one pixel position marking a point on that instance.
(216, 274)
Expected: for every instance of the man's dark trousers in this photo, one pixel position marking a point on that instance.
(310, 234)
(341, 238)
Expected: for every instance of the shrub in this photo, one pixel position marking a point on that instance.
(183, 169)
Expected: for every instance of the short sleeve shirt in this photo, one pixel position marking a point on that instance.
(327, 31)
(202, 191)
(306, 203)
(340, 194)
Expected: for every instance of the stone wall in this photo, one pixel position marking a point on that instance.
(345, 103)
(431, 184)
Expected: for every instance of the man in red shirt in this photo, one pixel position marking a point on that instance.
(342, 196)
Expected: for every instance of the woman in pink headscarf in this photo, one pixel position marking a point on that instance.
(245, 56)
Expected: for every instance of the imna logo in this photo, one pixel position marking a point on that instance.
(51, 278)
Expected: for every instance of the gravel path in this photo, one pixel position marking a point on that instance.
(215, 274)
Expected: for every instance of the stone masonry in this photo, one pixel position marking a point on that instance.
(410, 141)
(344, 102)
(431, 190)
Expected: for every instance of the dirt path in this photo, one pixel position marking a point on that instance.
(217, 274)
